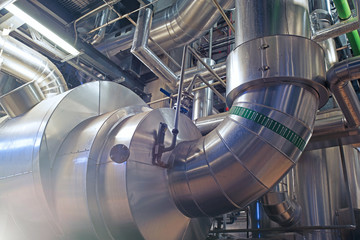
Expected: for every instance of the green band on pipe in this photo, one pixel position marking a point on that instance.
(271, 124)
(354, 40)
(343, 9)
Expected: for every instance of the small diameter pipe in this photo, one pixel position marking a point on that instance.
(206, 66)
(189, 89)
(178, 103)
(175, 131)
(345, 26)
(291, 229)
(175, 95)
(344, 11)
(223, 15)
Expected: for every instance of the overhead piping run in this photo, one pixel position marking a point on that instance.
(274, 101)
(338, 78)
(178, 25)
(141, 49)
(28, 65)
(343, 27)
(41, 76)
(344, 13)
(99, 36)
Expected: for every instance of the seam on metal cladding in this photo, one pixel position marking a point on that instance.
(271, 124)
(276, 110)
(237, 158)
(188, 182)
(263, 139)
(15, 175)
(213, 175)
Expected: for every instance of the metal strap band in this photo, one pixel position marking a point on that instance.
(271, 124)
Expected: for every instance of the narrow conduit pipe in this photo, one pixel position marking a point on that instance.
(338, 79)
(99, 36)
(27, 65)
(274, 97)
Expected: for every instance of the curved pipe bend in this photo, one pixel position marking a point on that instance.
(281, 209)
(338, 79)
(247, 154)
(28, 65)
(175, 26)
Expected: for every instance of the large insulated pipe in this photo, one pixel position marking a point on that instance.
(28, 65)
(274, 96)
(180, 24)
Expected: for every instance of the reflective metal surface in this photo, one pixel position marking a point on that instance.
(22, 99)
(274, 93)
(259, 18)
(65, 170)
(281, 209)
(339, 28)
(99, 36)
(28, 145)
(320, 188)
(141, 50)
(338, 78)
(175, 26)
(219, 69)
(220, 172)
(204, 99)
(28, 65)
(263, 61)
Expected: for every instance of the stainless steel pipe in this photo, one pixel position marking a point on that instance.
(176, 26)
(338, 79)
(274, 96)
(281, 209)
(28, 65)
(204, 99)
(142, 51)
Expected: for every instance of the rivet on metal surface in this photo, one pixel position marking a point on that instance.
(119, 153)
(264, 68)
(264, 46)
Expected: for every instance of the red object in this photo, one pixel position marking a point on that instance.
(227, 109)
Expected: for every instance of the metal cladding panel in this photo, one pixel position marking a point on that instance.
(32, 141)
(271, 60)
(153, 209)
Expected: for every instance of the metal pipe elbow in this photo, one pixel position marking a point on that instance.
(281, 209)
(28, 65)
(338, 78)
(247, 154)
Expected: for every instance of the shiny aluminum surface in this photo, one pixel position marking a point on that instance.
(128, 200)
(28, 147)
(260, 18)
(203, 99)
(321, 189)
(21, 99)
(180, 24)
(65, 171)
(141, 50)
(281, 209)
(220, 172)
(28, 65)
(263, 61)
(338, 78)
